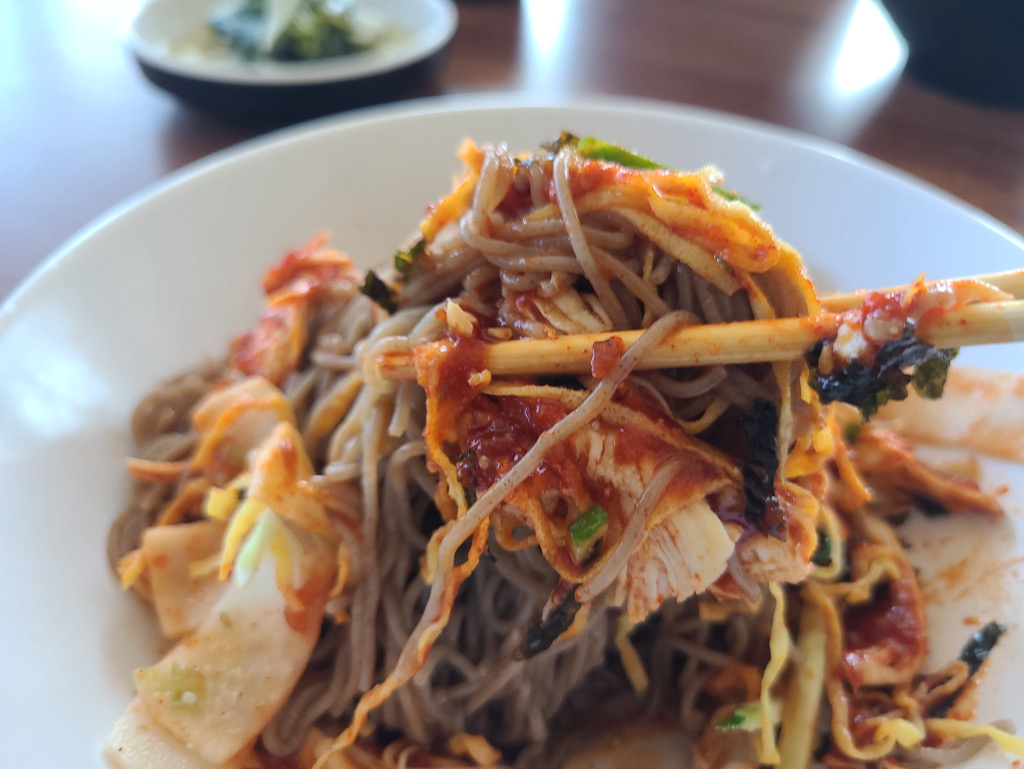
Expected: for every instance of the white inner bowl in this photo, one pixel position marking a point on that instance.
(167, 278)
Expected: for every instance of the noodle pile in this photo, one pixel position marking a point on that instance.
(515, 566)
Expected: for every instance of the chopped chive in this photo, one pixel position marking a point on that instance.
(404, 260)
(732, 196)
(597, 149)
(745, 718)
(823, 555)
(588, 526)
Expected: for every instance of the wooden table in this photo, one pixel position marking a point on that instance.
(81, 129)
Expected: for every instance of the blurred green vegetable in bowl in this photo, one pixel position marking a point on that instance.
(291, 30)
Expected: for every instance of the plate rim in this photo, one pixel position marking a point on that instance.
(43, 272)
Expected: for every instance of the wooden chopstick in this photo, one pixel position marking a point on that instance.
(723, 343)
(1010, 281)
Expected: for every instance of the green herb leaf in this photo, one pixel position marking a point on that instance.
(870, 388)
(745, 718)
(380, 292)
(588, 526)
(597, 149)
(852, 431)
(317, 31)
(930, 375)
(565, 139)
(241, 29)
(404, 260)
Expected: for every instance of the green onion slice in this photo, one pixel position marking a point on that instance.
(587, 528)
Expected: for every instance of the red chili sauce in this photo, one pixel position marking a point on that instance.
(443, 370)
(605, 356)
(295, 265)
(495, 433)
(499, 432)
(250, 351)
(891, 622)
(310, 595)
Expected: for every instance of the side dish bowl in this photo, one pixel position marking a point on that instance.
(403, 61)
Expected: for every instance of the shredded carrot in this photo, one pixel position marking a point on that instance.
(188, 499)
(130, 568)
(157, 471)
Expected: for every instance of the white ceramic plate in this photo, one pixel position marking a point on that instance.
(172, 274)
(420, 28)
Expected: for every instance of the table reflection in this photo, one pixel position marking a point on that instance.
(545, 34)
(849, 72)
